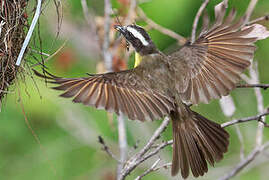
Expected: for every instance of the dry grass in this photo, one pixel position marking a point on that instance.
(13, 20)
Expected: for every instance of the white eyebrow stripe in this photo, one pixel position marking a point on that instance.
(138, 35)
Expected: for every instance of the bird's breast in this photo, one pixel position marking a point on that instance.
(155, 72)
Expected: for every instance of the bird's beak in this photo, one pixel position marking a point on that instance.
(121, 29)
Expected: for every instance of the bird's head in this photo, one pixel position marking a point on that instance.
(138, 38)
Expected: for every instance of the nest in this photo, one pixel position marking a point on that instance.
(13, 21)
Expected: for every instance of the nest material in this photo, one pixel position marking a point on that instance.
(13, 20)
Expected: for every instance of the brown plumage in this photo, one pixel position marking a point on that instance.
(162, 85)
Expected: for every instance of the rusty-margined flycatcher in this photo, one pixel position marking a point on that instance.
(161, 85)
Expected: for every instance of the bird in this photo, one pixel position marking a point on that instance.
(168, 84)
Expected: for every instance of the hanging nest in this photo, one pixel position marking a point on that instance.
(13, 20)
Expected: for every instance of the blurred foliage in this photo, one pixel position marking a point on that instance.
(68, 132)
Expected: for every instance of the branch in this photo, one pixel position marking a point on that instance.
(107, 149)
(241, 140)
(30, 32)
(230, 123)
(131, 13)
(149, 170)
(251, 118)
(88, 15)
(263, 86)
(195, 22)
(250, 9)
(245, 161)
(138, 158)
(106, 54)
(141, 157)
(263, 18)
(181, 40)
(153, 168)
(50, 56)
(122, 144)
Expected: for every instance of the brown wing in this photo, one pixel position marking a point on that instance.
(122, 92)
(210, 67)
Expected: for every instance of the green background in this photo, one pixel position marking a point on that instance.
(68, 132)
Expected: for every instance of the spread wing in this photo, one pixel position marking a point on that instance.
(122, 92)
(210, 67)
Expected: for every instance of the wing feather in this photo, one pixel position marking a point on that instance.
(210, 67)
(122, 92)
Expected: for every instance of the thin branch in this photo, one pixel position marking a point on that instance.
(165, 166)
(88, 15)
(122, 144)
(85, 11)
(263, 86)
(197, 17)
(138, 158)
(250, 9)
(37, 139)
(160, 28)
(245, 161)
(30, 32)
(149, 170)
(106, 53)
(254, 74)
(155, 136)
(131, 13)
(230, 123)
(245, 78)
(52, 55)
(241, 140)
(107, 149)
(263, 18)
(142, 156)
(38, 52)
(242, 120)
(155, 151)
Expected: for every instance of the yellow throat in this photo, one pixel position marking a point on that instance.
(138, 59)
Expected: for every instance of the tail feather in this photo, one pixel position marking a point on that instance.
(197, 141)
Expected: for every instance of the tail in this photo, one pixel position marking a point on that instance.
(197, 141)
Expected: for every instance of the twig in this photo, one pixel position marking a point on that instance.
(250, 9)
(245, 78)
(138, 158)
(230, 123)
(106, 54)
(131, 12)
(122, 144)
(30, 32)
(163, 30)
(107, 149)
(88, 15)
(241, 140)
(152, 169)
(242, 120)
(149, 170)
(263, 18)
(195, 22)
(37, 139)
(52, 55)
(263, 86)
(41, 53)
(155, 151)
(254, 74)
(245, 161)
(85, 11)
